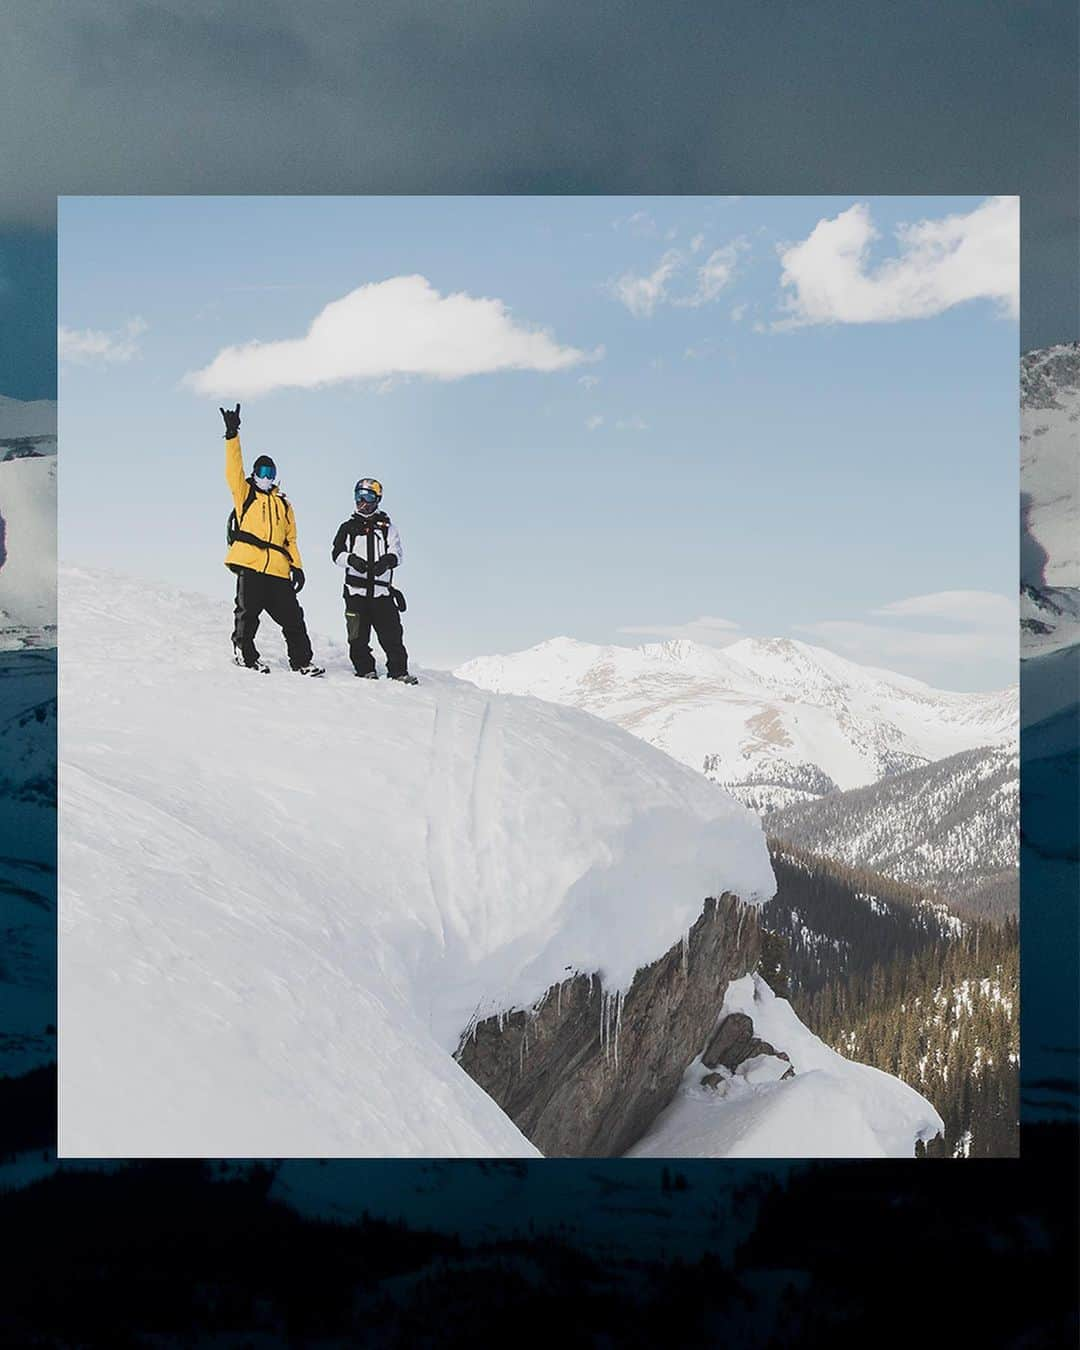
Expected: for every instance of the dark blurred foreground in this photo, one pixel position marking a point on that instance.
(841, 1254)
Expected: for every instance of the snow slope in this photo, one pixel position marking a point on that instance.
(775, 721)
(282, 900)
(831, 1108)
(1050, 464)
(27, 524)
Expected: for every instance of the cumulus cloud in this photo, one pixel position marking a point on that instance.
(92, 346)
(642, 293)
(708, 629)
(966, 632)
(940, 263)
(398, 327)
(593, 422)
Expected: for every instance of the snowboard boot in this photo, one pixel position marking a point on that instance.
(258, 664)
(310, 670)
(405, 679)
(367, 675)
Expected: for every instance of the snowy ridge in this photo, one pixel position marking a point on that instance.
(1050, 463)
(1049, 618)
(951, 826)
(27, 524)
(285, 899)
(1050, 545)
(1050, 646)
(832, 1108)
(25, 422)
(774, 721)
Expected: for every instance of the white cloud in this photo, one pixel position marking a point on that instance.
(589, 381)
(738, 313)
(640, 223)
(398, 327)
(711, 631)
(87, 346)
(962, 631)
(941, 263)
(593, 422)
(634, 423)
(697, 243)
(980, 609)
(715, 273)
(641, 294)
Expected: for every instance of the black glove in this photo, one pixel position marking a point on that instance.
(232, 421)
(384, 564)
(296, 576)
(357, 563)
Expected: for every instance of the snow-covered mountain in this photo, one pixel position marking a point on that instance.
(774, 721)
(1050, 712)
(27, 425)
(950, 826)
(284, 901)
(752, 1112)
(1050, 465)
(27, 524)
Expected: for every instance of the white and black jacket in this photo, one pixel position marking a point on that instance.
(368, 537)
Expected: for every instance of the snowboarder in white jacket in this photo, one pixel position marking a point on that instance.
(368, 547)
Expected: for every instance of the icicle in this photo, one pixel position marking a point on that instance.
(619, 999)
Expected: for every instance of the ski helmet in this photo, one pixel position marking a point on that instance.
(367, 494)
(264, 472)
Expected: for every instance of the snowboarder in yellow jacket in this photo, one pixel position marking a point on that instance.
(264, 555)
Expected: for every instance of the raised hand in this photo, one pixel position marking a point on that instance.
(232, 421)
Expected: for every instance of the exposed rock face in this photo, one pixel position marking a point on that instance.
(734, 1042)
(584, 1074)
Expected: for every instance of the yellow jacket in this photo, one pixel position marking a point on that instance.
(270, 517)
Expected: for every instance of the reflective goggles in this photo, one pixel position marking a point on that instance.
(266, 471)
(366, 495)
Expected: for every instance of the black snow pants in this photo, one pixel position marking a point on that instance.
(257, 591)
(362, 613)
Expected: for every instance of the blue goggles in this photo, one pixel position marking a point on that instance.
(366, 495)
(266, 471)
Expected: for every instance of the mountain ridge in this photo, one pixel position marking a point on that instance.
(772, 720)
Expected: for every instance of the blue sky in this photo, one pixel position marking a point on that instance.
(833, 459)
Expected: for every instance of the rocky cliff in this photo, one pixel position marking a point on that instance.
(583, 1074)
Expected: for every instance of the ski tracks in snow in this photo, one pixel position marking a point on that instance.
(456, 818)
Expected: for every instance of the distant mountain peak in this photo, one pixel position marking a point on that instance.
(773, 720)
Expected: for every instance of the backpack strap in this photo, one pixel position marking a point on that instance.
(239, 536)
